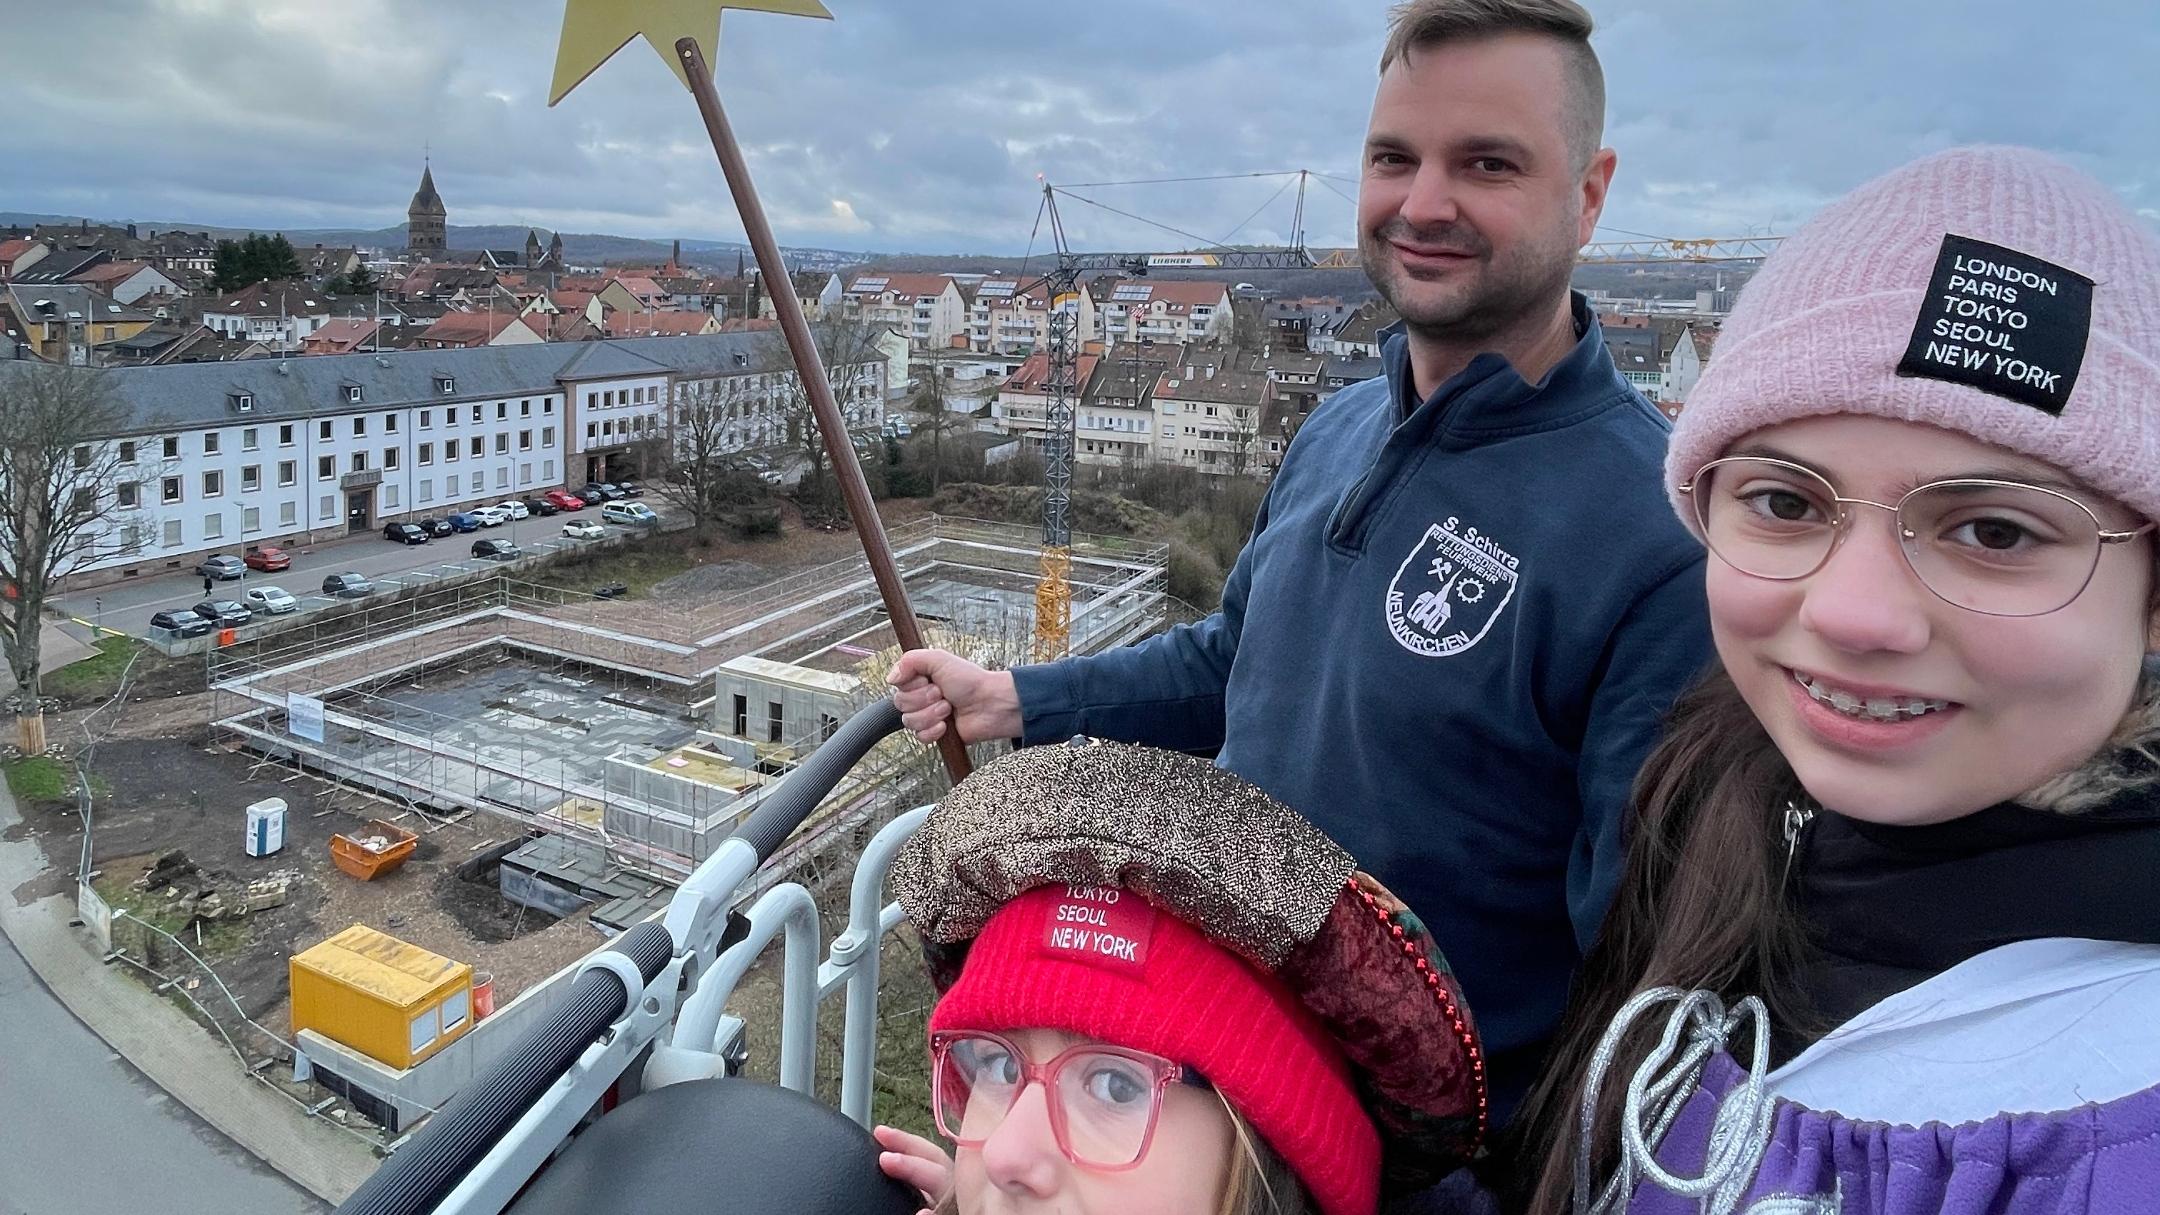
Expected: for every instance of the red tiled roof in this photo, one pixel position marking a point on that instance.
(108, 275)
(666, 322)
(469, 328)
(12, 249)
(343, 334)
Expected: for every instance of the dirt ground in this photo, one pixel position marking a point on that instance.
(176, 793)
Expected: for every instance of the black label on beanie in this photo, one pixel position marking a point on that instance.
(2004, 322)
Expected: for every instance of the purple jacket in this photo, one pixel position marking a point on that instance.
(2095, 1158)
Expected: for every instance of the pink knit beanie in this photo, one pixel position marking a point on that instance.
(1992, 291)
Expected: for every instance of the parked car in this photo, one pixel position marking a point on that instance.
(222, 567)
(464, 521)
(489, 516)
(630, 514)
(630, 489)
(405, 533)
(564, 499)
(583, 529)
(268, 558)
(594, 491)
(180, 624)
(434, 527)
(347, 586)
(492, 549)
(541, 507)
(224, 613)
(270, 600)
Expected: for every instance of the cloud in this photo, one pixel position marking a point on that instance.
(907, 125)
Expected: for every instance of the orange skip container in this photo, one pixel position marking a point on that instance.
(375, 849)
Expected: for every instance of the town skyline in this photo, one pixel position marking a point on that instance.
(331, 124)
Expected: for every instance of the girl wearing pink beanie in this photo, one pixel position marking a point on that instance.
(1888, 939)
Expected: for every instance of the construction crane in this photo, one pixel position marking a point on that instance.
(1061, 389)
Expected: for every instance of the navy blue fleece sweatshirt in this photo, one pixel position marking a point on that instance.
(1449, 643)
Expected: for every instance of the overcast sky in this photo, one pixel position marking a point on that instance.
(920, 125)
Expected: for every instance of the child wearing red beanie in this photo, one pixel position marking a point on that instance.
(1165, 992)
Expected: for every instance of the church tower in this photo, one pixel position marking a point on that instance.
(426, 222)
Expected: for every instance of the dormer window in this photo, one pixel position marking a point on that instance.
(352, 393)
(445, 385)
(243, 401)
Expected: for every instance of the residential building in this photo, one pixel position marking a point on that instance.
(1011, 316)
(343, 335)
(62, 265)
(279, 315)
(20, 253)
(464, 330)
(296, 451)
(1211, 415)
(1684, 366)
(1635, 352)
(1023, 400)
(321, 264)
(176, 252)
(927, 309)
(132, 283)
(1359, 335)
(816, 290)
(1133, 309)
(70, 323)
(1115, 421)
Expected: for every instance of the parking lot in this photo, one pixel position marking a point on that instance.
(127, 607)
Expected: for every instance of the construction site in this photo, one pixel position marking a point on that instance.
(500, 775)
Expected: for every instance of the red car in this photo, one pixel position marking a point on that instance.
(268, 558)
(564, 499)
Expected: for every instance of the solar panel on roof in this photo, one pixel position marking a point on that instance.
(871, 284)
(1132, 293)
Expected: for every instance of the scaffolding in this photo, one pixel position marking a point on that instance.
(542, 707)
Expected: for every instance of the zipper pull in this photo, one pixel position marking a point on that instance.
(1796, 820)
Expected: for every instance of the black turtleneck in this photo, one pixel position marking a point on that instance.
(1888, 907)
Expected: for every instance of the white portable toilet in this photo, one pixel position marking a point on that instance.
(266, 826)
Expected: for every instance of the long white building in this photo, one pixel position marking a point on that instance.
(295, 451)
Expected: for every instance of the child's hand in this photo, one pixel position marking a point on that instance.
(914, 1160)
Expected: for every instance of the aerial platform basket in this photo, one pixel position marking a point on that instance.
(376, 848)
(626, 1097)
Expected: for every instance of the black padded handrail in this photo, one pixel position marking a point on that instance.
(469, 1126)
(792, 800)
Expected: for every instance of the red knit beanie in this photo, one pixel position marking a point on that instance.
(1108, 965)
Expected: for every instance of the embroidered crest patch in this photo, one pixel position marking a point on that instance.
(1450, 589)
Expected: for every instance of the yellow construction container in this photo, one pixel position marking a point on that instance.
(393, 1002)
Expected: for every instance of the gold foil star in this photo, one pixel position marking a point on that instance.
(593, 30)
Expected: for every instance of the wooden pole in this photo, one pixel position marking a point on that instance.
(832, 426)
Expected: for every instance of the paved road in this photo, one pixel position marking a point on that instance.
(85, 1134)
(127, 606)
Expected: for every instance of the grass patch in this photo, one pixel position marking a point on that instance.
(96, 677)
(41, 778)
(637, 565)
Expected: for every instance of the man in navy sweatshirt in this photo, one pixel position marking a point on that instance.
(1465, 604)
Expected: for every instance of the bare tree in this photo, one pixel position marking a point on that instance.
(690, 460)
(1243, 432)
(61, 475)
(845, 346)
(928, 400)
